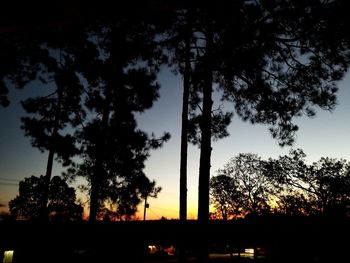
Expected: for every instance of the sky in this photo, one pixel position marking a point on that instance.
(327, 134)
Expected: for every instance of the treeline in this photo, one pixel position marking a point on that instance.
(62, 204)
(288, 185)
(95, 72)
(97, 66)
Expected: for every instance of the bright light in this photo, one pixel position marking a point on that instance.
(249, 250)
(8, 255)
(152, 249)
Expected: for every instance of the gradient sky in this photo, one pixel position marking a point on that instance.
(327, 134)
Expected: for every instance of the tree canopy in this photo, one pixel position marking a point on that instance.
(273, 61)
(100, 71)
(286, 185)
(62, 206)
(246, 187)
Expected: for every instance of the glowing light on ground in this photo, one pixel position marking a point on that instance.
(8, 256)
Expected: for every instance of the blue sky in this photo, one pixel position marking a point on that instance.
(327, 134)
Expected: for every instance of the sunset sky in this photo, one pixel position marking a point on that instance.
(325, 135)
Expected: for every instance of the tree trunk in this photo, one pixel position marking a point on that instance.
(94, 194)
(44, 212)
(184, 132)
(52, 144)
(98, 172)
(145, 209)
(205, 154)
(184, 140)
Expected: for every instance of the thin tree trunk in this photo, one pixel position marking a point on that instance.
(205, 154)
(44, 212)
(99, 173)
(94, 194)
(48, 174)
(144, 209)
(184, 140)
(184, 133)
(98, 170)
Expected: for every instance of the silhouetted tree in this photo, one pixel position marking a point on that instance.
(250, 190)
(147, 189)
(121, 82)
(178, 39)
(184, 128)
(27, 32)
(273, 60)
(16, 61)
(53, 113)
(185, 52)
(272, 66)
(287, 185)
(45, 55)
(62, 200)
(320, 188)
(123, 183)
(224, 197)
(121, 201)
(293, 203)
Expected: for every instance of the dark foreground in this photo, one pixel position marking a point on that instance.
(271, 239)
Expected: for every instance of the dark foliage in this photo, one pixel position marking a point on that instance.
(288, 185)
(61, 205)
(242, 188)
(123, 84)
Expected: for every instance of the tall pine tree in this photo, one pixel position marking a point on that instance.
(121, 82)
